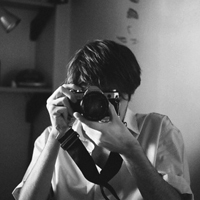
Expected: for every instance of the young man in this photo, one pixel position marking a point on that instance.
(151, 149)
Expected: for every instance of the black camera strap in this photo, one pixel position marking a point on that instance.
(71, 143)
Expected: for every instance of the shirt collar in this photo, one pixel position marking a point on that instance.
(131, 121)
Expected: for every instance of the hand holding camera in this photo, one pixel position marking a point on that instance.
(59, 108)
(92, 104)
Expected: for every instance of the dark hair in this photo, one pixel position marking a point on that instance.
(105, 64)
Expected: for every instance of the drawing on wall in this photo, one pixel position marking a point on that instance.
(134, 1)
(131, 15)
(122, 39)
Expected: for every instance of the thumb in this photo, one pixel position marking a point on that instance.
(79, 117)
(113, 112)
(91, 124)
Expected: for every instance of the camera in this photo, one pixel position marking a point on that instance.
(93, 104)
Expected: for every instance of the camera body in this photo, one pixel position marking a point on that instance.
(93, 104)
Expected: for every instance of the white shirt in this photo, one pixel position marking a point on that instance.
(161, 141)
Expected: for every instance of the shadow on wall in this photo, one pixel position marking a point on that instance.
(195, 180)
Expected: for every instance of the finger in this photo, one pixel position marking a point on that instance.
(91, 124)
(57, 93)
(66, 92)
(58, 111)
(79, 117)
(61, 101)
(112, 110)
(82, 119)
(58, 115)
(63, 90)
(68, 106)
(62, 111)
(61, 107)
(66, 89)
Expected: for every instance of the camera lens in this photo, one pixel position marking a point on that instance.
(94, 106)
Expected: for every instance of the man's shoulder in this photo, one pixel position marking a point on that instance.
(156, 120)
(153, 116)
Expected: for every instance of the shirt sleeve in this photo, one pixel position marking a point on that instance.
(38, 147)
(171, 161)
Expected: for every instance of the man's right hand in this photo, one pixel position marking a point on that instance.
(58, 106)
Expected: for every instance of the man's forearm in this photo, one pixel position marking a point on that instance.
(149, 182)
(38, 183)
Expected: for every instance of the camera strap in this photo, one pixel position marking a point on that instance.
(71, 143)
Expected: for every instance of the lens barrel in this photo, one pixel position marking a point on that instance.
(94, 106)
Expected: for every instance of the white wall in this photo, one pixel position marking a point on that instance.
(168, 50)
(61, 44)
